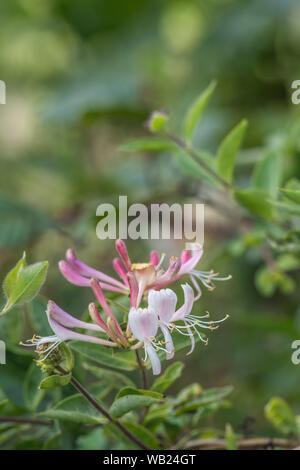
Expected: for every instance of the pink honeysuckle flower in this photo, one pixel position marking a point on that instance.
(148, 275)
(152, 276)
(144, 325)
(58, 320)
(78, 273)
(113, 322)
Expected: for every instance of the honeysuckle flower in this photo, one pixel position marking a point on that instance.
(144, 325)
(163, 303)
(78, 273)
(60, 323)
(138, 278)
(191, 321)
(113, 324)
(150, 275)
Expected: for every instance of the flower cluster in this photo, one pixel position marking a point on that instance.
(141, 282)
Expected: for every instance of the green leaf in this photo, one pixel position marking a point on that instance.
(32, 394)
(143, 434)
(105, 356)
(292, 194)
(172, 373)
(291, 190)
(267, 173)
(195, 111)
(290, 207)
(27, 285)
(287, 262)
(189, 393)
(228, 150)
(135, 391)
(150, 144)
(207, 397)
(266, 281)
(256, 201)
(278, 412)
(114, 378)
(55, 381)
(12, 276)
(129, 399)
(68, 357)
(230, 438)
(189, 166)
(75, 409)
(54, 442)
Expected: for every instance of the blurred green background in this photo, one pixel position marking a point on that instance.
(81, 79)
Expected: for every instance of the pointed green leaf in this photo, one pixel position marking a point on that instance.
(195, 111)
(12, 276)
(267, 173)
(106, 356)
(279, 413)
(143, 434)
(55, 381)
(228, 150)
(172, 373)
(75, 409)
(149, 144)
(114, 378)
(256, 201)
(27, 285)
(131, 399)
(207, 397)
(190, 167)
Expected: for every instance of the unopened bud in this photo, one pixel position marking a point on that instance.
(157, 121)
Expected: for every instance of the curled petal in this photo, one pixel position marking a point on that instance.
(95, 316)
(119, 268)
(134, 289)
(163, 302)
(72, 276)
(154, 359)
(169, 346)
(143, 323)
(186, 308)
(96, 286)
(66, 319)
(192, 262)
(64, 334)
(122, 250)
(154, 258)
(185, 256)
(86, 270)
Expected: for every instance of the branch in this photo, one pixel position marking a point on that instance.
(80, 388)
(181, 144)
(18, 420)
(243, 444)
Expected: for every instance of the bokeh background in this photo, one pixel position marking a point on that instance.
(82, 78)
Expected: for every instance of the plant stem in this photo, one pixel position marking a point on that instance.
(18, 420)
(142, 369)
(181, 144)
(81, 389)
